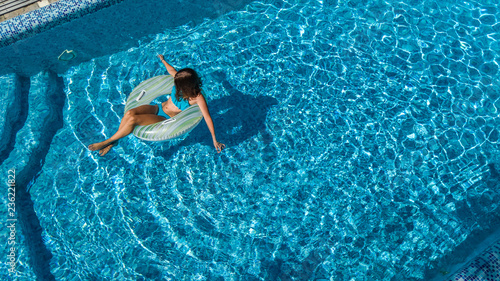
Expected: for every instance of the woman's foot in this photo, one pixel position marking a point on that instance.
(106, 149)
(99, 145)
(103, 147)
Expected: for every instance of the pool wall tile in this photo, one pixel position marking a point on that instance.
(42, 19)
(486, 266)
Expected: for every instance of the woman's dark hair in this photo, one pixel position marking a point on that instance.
(187, 84)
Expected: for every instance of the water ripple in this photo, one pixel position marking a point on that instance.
(374, 164)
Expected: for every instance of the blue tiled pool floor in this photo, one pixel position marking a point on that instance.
(362, 145)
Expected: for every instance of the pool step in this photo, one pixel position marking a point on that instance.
(13, 110)
(45, 101)
(34, 108)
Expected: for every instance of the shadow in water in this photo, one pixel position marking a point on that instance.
(479, 239)
(494, 178)
(236, 117)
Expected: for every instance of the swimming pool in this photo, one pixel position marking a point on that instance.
(362, 145)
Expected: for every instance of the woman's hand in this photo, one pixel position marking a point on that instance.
(170, 69)
(219, 146)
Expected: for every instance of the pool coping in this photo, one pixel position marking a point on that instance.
(39, 20)
(23, 8)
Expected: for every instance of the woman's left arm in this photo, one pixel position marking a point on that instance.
(202, 103)
(170, 69)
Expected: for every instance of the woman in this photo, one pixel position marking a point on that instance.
(187, 92)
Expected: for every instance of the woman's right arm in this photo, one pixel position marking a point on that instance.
(202, 103)
(170, 69)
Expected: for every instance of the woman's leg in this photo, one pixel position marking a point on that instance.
(143, 109)
(142, 115)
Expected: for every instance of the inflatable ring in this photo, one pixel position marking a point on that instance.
(174, 127)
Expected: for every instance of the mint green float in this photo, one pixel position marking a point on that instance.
(174, 127)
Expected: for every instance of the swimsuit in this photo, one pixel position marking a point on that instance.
(182, 104)
(161, 112)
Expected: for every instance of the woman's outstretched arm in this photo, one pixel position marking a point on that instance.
(200, 100)
(170, 69)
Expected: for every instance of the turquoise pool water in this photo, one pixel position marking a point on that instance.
(362, 144)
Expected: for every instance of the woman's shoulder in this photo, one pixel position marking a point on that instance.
(200, 99)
